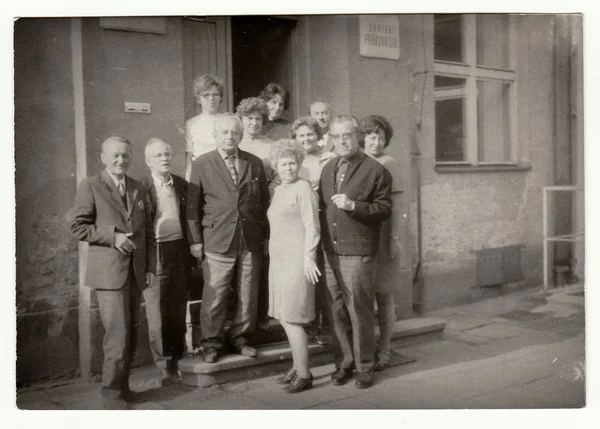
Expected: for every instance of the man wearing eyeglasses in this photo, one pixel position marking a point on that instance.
(354, 198)
(166, 300)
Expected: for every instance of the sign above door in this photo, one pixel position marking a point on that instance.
(379, 36)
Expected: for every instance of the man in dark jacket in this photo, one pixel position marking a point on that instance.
(111, 214)
(166, 301)
(227, 219)
(354, 198)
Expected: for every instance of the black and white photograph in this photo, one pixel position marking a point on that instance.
(363, 210)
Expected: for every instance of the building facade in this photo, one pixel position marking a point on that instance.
(486, 109)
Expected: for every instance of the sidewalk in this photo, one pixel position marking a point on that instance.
(516, 351)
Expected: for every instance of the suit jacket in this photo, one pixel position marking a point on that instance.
(181, 193)
(369, 185)
(98, 213)
(216, 204)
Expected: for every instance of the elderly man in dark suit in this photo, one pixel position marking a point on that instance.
(166, 301)
(111, 214)
(354, 197)
(229, 197)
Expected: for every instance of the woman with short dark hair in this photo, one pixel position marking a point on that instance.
(278, 100)
(377, 136)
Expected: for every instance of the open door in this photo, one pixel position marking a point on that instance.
(262, 52)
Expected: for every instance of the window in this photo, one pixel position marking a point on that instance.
(475, 115)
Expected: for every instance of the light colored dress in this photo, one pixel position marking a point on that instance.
(199, 136)
(313, 166)
(295, 232)
(387, 273)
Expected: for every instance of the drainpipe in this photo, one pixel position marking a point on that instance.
(417, 282)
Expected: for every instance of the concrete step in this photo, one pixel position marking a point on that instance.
(275, 358)
(570, 294)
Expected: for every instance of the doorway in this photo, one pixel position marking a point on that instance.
(262, 49)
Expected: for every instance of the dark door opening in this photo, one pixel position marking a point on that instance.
(262, 52)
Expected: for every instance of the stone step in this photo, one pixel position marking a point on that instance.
(276, 357)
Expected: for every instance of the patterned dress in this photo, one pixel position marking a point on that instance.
(295, 232)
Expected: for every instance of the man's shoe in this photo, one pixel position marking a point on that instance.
(341, 376)
(299, 384)
(364, 379)
(247, 351)
(287, 377)
(211, 355)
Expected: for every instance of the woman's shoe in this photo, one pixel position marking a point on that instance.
(287, 377)
(382, 361)
(299, 384)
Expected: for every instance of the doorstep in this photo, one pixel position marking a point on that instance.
(274, 358)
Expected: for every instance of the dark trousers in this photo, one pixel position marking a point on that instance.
(119, 311)
(166, 304)
(350, 297)
(237, 269)
(263, 290)
(323, 319)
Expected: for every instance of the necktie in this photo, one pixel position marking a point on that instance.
(230, 161)
(340, 175)
(122, 193)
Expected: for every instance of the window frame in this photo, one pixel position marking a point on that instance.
(472, 72)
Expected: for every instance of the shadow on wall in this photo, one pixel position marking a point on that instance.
(46, 283)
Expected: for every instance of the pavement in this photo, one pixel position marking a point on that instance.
(519, 351)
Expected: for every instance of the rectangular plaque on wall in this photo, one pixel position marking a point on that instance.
(379, 36)
(146, 24)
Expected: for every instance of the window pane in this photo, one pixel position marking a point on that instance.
(492, 40)
(447, 38)
(448, 82)
(449, 130)
(493, 121)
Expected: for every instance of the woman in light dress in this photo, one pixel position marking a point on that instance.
(199, 139)
(294, 239)
(278, 100)
(306, 131)
(378, 134)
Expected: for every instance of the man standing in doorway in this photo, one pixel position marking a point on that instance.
(355, 198)
(229, 197)
(111, 214)
(166, 301)
(321, 111)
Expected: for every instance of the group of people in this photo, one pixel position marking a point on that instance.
(311, 210)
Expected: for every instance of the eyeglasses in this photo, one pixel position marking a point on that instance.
(344, 137)
(160, 155)
(208, 95)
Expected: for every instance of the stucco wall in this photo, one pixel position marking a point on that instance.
(46, 282)
(466, 212)
(122, 66)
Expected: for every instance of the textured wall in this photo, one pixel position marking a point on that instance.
(124, 66)
(466, 212)
(46, 283)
